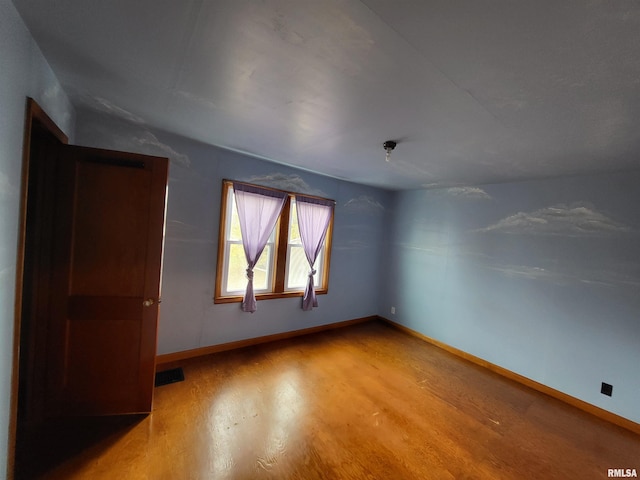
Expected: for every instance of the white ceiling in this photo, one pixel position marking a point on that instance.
(473, 91)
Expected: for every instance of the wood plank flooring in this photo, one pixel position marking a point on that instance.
(362, 402)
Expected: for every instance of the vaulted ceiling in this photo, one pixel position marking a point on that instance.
(472, 91)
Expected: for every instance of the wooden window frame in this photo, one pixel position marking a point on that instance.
(280, 260)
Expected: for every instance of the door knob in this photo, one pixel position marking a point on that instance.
(148, 302)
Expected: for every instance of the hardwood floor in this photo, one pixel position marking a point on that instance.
(366, 401)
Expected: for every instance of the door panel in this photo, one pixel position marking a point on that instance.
(107, 251)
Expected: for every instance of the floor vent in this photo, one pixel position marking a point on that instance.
(169, 376)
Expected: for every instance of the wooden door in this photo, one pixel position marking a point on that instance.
(106, 254)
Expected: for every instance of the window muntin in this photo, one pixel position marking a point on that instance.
(282, 269)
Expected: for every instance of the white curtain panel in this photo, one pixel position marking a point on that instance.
(258, 211)
(314, 216)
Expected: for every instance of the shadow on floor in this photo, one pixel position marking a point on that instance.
(50, 445)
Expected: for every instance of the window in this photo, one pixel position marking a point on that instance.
(281, 271)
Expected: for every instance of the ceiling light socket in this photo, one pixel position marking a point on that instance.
(388, 146)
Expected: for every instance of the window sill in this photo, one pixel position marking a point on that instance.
(265, 296)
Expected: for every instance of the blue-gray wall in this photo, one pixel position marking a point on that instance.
(23, 72)
(189, 319)
(540, 277)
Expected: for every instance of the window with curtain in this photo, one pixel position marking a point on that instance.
(314, 215)
(283, 268)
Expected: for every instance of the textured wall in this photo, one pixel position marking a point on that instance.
(23, 72)
(189, 319)
(540, 277)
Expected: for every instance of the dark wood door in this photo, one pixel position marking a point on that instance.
(104, 287)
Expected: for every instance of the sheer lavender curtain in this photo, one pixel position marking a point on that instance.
(314, 215)
(258, 211)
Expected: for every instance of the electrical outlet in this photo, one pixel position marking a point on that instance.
(393, 310)
(606, 389)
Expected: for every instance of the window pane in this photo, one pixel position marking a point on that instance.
(233, 229)
(298, 270)
(234, 232)
(297, 264)
(236, 264)
(237, 270)
(261, 277)
(294, 231)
